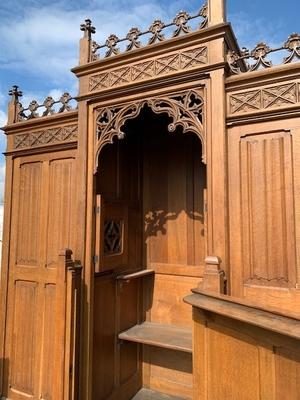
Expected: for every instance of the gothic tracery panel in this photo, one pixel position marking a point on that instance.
(186, 109)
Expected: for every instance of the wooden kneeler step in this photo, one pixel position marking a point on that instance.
(147, 394)
(166, 336)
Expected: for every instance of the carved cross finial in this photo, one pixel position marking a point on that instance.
(88, 29)
(15, 92)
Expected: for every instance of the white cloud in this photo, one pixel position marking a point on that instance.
(45, 42)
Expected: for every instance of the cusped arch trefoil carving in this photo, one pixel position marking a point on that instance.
(186, 109)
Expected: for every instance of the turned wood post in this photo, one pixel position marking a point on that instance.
(14, 105)
(214, 276)
(216, 12)
(85, 52)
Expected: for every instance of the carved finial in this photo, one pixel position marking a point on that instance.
(15, 93)
(88, 29)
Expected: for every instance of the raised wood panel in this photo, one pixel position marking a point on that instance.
(174, 181)
(171, 372)
(116, 365)
(268, 209)
(104, 359)
(61, 206)
(264, 218)
(237, 360)
(287, 373)
(48, 341)
(227, 353)
(29, 213)
(24, 357)
(167, 301)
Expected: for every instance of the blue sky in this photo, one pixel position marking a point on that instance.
(39, 38)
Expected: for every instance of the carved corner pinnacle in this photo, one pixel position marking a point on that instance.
(214, 277)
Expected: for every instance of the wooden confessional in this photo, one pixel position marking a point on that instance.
(151, 243)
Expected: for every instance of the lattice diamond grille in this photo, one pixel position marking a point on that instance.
(113, 232)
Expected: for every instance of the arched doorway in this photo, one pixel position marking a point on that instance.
(150, 189)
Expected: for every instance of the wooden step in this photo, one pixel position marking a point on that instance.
(147, 394)
(167, 336)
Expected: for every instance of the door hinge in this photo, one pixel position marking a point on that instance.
(95, 259)
(97, 209)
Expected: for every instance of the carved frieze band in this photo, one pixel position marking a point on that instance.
(61, 134)
(150, 69)
(264, 98)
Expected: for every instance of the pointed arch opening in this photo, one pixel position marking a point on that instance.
(151, 189)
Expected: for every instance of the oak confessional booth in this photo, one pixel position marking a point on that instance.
(152, 230)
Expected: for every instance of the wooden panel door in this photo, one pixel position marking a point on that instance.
(264, 178)
(41, 225)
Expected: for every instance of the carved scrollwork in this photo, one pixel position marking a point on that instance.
(156, 28)
(154, 34)
(33, 106)
(184, 108)
(204, 14)
(111, 43)
(293, 46)
(259, 53)
(180, 21)
(133, 36)
(48, 104)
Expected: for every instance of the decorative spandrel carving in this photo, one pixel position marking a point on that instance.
(184, 108)
(62, 134)
(136, 38)
(113, 237)
(160, 66)
(239, 62)
(283, 95)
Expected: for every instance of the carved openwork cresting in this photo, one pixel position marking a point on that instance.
(136, 38)
(48, 107)
(238, 62)
(184, 108)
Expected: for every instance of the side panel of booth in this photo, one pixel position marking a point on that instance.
(264, 193)
(41, 224)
